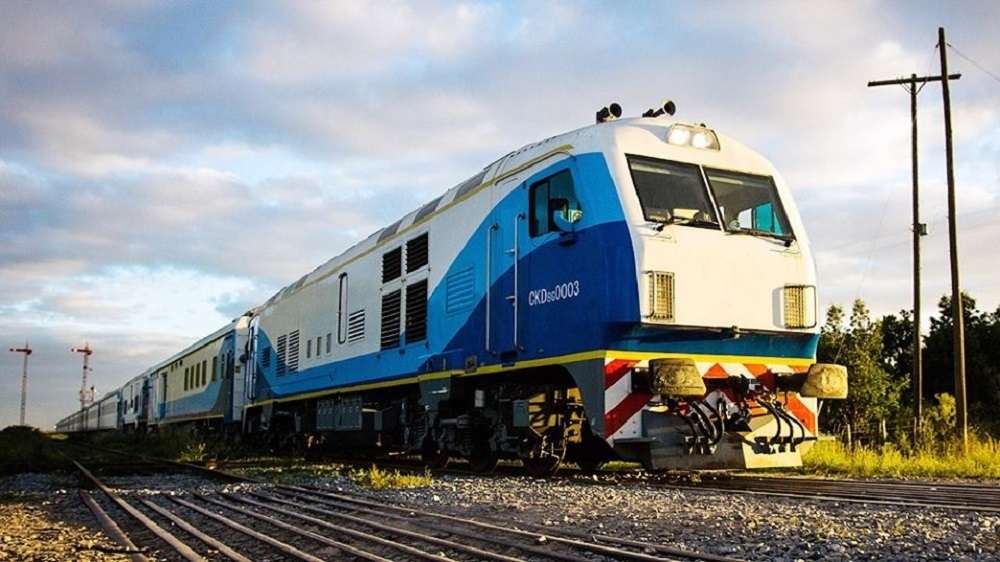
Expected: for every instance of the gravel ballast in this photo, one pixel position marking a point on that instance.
(732, 524)
(41, 518)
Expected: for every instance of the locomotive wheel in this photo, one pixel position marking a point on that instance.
(435, 459)
(590, 465)
(483, 459)
(542, 467)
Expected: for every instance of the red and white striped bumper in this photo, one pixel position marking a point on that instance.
(623, 405)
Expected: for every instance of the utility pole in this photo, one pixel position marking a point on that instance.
(919, 229)
(958, 322)
(24, 375)
(85, 396)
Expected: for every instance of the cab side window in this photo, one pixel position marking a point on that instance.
(549, 197)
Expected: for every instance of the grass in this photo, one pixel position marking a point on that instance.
(943, 460)
(374, 477)
(379, 479)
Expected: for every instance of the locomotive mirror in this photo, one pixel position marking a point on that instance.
(563, 217)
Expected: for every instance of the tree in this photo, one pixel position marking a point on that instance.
(897, 347)
(874, 394)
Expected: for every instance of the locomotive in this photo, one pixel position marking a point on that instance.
(639, 289)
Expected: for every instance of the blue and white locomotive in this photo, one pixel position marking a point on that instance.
(640, 289)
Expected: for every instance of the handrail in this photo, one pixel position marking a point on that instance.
(516, 251)
(489, 283)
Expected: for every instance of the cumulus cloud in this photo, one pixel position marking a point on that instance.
(164, 166)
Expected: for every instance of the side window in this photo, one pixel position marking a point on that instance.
(549, 197)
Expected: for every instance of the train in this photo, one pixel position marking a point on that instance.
(638, 289)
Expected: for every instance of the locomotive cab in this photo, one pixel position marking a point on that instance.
(719, 371)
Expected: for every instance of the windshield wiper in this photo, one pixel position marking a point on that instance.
(786, 238)
(693, 222)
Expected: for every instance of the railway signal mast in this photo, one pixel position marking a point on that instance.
(26, 350)
(86, 396)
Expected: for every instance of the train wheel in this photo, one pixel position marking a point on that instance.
(483, 459)
(435, 458)
(590, 465)
(542, 467)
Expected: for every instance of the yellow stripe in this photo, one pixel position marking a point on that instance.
(746, 359)
(570, 358)
(167, 421)
(541, 158)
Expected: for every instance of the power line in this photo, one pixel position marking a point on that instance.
(974, 63)
(936, 220)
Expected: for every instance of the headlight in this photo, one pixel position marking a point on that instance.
(679, 135)
(799, 304)
(661, 296)
(690, 135)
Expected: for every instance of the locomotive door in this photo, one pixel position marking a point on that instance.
(225, 374)
(163, 396)
(506, 238)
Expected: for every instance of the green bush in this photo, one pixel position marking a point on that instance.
(25, 449)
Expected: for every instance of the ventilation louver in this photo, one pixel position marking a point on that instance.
(356, 326)
(293, 352)
(416, 311)
(282, 354)
(391, 316)
(392, 264)
(416, 253)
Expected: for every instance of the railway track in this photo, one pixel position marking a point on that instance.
(970, 497)
(266, 521)
(967, 497)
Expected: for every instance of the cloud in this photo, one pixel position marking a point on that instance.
(165, 166)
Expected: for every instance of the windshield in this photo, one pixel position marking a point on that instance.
(671, 192)
(748, 203)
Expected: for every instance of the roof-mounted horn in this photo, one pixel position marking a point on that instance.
(609, 113)
(668, 108)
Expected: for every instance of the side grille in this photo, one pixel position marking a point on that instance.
(799, 306)
(392, 264)
(293, 352)
(356, 326)
(416, 311)
(661, 296)
(282, 354)
(460, 290)
(391, 316)
(416, 253)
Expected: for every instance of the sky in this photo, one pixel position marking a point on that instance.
(164, 166)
